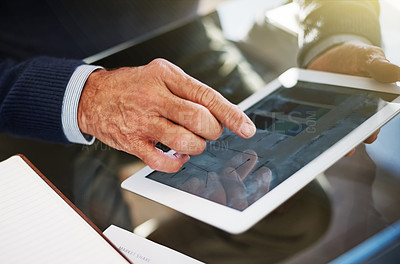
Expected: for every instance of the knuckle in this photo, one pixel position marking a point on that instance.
(231, 116)
(160, 68)
(201, 122)
(206, 96)
(370, 53)
(163, 126)
(159, 62)
(199, 118)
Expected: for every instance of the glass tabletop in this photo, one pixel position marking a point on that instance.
(351, 202)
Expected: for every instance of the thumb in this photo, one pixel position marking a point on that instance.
(158, 160)
(383, 71)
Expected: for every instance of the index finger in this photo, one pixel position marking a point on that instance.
(230, 115)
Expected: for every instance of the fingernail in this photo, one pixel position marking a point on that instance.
(185, 158)
(248, 130)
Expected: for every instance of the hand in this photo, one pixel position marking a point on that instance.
(131, 109)
(359, 59)
(234, 186)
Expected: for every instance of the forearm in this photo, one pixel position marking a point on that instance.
(31, 97)
(329, 23)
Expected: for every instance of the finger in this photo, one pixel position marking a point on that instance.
(234, 189)
(243, 163)
(258, 185)
(228, 114)
(194, 117)
(350, 153)
(175, 137)
(193, 186)
(214, 190)
(383, 71)
(372, 138)
(159, 160)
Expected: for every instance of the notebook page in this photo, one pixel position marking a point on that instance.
(38, 226)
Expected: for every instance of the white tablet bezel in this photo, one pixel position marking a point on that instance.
(235, 221)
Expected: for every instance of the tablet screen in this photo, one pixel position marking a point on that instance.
(294, 126)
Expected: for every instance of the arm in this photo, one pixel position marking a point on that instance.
(328, 23)
(130, 109)
(31, 97)
(344, 37)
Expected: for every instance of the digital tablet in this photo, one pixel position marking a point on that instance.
(306, 121)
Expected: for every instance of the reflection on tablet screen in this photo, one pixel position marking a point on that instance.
(294, 126)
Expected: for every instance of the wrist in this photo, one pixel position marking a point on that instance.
(86, 105)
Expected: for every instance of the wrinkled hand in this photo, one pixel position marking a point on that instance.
(359, 59)
(131, 109)
(234, 186)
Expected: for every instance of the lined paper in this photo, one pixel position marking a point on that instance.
(38, 226)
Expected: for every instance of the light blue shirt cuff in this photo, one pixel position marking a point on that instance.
(69, 114)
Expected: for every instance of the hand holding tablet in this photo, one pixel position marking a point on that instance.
(306, 121)
(359, 59)
(344, 59)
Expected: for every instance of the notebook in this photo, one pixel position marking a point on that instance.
(39, 225)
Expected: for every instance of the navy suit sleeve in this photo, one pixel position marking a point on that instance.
(31, 96)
